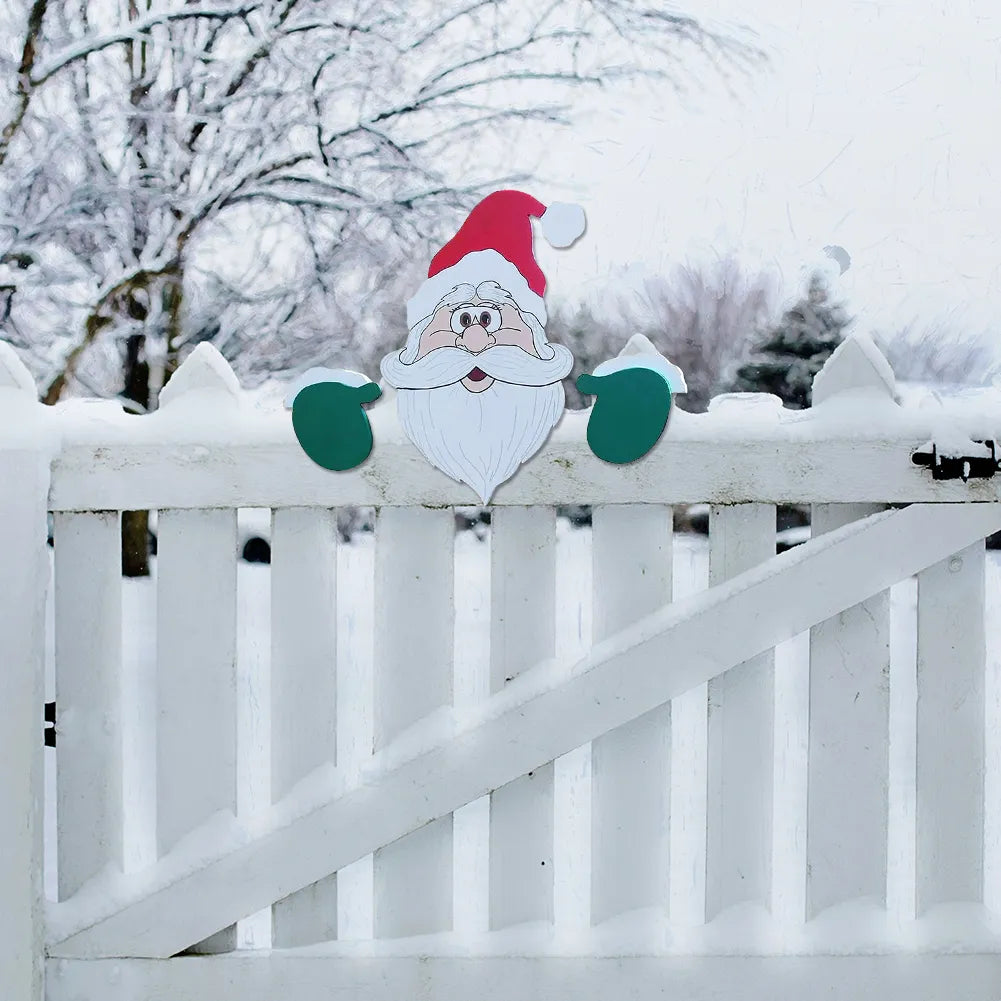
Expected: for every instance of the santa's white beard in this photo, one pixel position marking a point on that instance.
(480, 438)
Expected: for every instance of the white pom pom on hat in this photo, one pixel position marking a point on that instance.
(563, 223)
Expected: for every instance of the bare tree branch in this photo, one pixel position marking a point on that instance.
(29, 53)
(137, 31)
(262, 172)
(98, 320)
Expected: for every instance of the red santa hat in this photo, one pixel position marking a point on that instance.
(495, 244)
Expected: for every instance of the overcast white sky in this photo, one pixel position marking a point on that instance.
(875, 126)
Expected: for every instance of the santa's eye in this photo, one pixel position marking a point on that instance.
(462, 318)
(490, 319)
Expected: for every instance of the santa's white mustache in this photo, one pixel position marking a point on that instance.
(505, 362)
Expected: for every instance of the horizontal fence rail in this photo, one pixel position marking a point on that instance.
(254, 460)
(853, 446)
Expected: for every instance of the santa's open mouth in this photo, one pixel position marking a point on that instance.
(476, 375)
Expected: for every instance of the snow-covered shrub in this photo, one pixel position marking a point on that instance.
(937, 352)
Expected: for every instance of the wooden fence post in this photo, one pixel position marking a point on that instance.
(24, 572)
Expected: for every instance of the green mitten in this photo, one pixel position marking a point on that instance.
(629, 414)
(330, 424)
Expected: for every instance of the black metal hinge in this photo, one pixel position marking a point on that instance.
(50, 724)
(959, 467)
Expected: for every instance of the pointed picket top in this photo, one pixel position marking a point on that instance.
(14, 373)
(639, 350)
(856, 366)
(203, 370)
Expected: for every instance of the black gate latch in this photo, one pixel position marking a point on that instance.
(50, 724)
(959, 467)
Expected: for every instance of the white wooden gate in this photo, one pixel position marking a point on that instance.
(682, 811)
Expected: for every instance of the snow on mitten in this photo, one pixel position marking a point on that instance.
(633, 404)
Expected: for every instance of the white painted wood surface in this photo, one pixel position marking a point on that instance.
(413, 677)
(471, 823)
(88, 638)
(838, 452)
(572, 771)
(992, 741)
(249, 977)
(303, 690)
(950, 730)
(196, 678)
(355, 653)
(902, 763)
(256, 461)
(522, 634)
(542, 714)
(689, 784)
(740, 731)
(630, 766)
(856, 368)
(24, 575)
(848, 743)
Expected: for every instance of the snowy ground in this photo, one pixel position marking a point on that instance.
(355, 592)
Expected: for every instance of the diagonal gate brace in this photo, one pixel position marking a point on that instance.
(546, 712)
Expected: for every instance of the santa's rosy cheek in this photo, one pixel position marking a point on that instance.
(433, 341)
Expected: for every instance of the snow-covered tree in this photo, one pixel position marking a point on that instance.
(698, 315)
(260, 172)
(788, 355)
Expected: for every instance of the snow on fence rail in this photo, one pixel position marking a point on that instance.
(680, 791)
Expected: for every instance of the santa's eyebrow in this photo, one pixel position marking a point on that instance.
(490, 289)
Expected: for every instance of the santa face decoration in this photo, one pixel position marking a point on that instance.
(478, 384)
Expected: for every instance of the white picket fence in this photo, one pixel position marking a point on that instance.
(677, 814)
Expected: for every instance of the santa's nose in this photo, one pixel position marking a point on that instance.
(474, 338)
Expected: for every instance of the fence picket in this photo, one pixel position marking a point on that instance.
(196, 677)
(630, 766)
(848, 742)
(740, 731)
(88, 616)
(689, 785)
(303, 690)
(950, 730)
(413, 677)
(471, 823)
(355, 652)
(522, 632)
